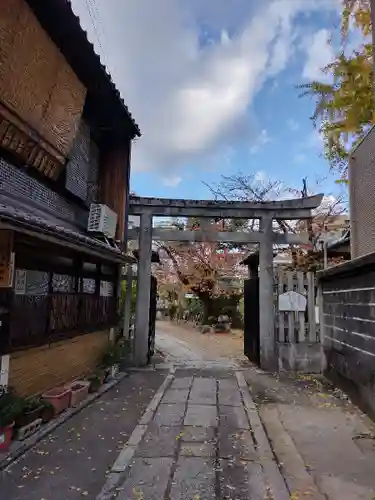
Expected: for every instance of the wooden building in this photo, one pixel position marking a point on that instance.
(65, 141)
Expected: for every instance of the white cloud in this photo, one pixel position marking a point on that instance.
(319, 53)
(262, 140)
(173, 181)
(192, 97)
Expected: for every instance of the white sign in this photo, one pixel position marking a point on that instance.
(317, 315)
(292, 301)
(20, 282)
(4, 373)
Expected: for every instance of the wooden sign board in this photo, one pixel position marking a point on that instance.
(292, 301)
(6, 258)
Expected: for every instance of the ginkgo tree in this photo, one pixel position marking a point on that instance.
(345, 108)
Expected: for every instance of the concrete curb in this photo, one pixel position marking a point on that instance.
(298, 479)
(274, 479)
(122, 462)
(25, 446)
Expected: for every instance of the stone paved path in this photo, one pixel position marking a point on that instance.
(201, 445)
(72, 462)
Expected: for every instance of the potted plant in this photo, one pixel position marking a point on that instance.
(31, 410)
(113, 355)
(48, 411)
(10, 409)
(59, 397)
(95, 380)
(80, 389)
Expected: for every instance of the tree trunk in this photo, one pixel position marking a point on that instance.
(207, 309)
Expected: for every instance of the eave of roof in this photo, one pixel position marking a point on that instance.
(26, 222)
(64, 28)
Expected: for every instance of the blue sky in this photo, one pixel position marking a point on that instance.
(212, 85)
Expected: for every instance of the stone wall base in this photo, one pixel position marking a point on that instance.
(303, 357)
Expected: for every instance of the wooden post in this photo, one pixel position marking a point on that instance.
(266, 298)
(291, 314)
(143, 290)
(128, 301)
(301, 315)
(311, 306)
(320, 300)
(281, 275)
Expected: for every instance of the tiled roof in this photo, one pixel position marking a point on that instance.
(33, 222)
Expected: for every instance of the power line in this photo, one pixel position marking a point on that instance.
(94, 16)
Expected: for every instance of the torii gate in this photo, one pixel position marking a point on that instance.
(266, 212)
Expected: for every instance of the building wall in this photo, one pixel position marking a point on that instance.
(36, 370)
(82, 170)
(348, 323)
(36, 81)
(23, 190)
(362, 199)
(113, 183)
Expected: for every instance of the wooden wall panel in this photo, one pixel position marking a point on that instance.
(113, 183)
(36, 82)
(64, 109)
(41, 368)
(9, 12)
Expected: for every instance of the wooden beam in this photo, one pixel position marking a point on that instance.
(221, 237)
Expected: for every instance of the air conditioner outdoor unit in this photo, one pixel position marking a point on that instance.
(102, 220)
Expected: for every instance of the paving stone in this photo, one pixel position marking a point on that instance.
(236, 443)
(203, 391)
(147, 479)
(169, 414)
(198, 449)
(241, 481)
(229, 393)
(94, 437)
(159, 441)
(201, 415)
(182, 383)
(193, 476)
(198, 434)
(233, 416)
(176, 396)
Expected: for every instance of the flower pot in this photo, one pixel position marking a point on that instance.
(47, 414)
(6, 434)
(79, 390)
(28, 417)
(59, 398)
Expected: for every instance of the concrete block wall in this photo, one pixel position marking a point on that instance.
(38, 369)
(348, 323)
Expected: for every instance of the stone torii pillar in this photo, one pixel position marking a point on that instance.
(143, 291)
(267, 340)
